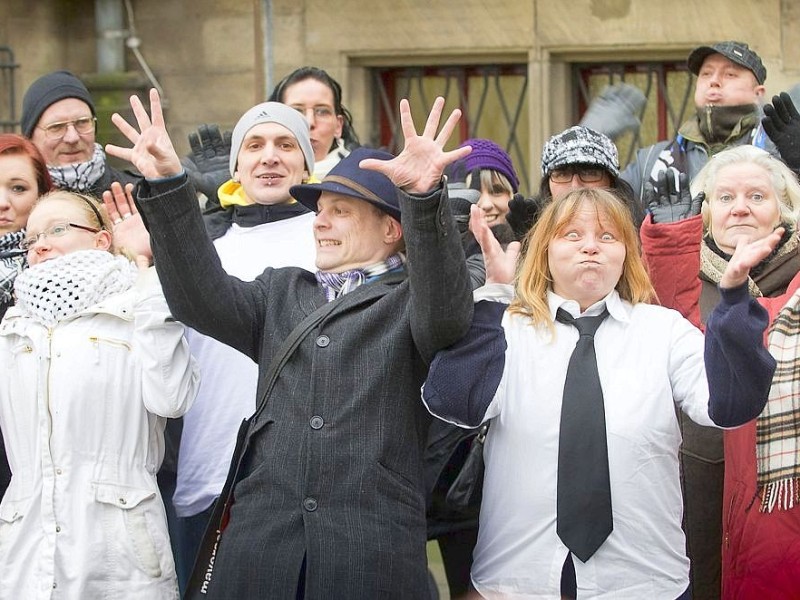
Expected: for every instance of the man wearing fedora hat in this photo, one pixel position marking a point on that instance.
(328, 498)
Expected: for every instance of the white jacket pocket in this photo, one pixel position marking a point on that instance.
(132, 506)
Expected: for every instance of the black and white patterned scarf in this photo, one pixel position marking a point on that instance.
(339, 284)
(64, 286)
(11, 265)
(80, 177)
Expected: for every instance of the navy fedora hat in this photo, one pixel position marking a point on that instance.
(348, 179)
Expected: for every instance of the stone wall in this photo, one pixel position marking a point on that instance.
(216, 58)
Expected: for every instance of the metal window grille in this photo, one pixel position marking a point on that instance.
(8, 117)
(668, 88)
(493, 100)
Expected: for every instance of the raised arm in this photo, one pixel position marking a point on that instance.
(419, 167)
(198, 290)
(738, 366)
(152, 153)
(441, 301)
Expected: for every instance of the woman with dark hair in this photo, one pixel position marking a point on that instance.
(23, 178)
(318, 96)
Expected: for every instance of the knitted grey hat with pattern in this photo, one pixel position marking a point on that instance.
(273, 112)
(579, 146)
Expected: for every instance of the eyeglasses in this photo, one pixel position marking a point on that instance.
(56, 131)
(585, 174)
(320, 112)
(57, 230)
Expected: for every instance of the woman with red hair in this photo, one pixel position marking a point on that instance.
(23, 178)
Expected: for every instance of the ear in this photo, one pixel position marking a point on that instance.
(393, 231)
(102, 240)
(235, 176)
(759, 91)
(339, 126)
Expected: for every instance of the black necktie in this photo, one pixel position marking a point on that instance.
(584, 518)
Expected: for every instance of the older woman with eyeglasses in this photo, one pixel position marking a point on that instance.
(91, 365)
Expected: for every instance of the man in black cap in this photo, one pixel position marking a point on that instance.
(728, 95)
(58, 116)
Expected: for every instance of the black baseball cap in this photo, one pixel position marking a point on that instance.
(737, 52)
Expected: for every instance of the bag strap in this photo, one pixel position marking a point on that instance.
(287, 348)
(197, 586)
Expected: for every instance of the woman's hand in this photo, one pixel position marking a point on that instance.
(152, 154)
(746, 256)
(419, 167)
(129, 230)
(501, 265)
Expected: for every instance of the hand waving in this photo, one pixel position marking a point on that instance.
(746, 256)
(129, 230)
(152, 154)
(522, 214)
(419, 167)
(208, 164)
(669, 200)
(501, 265)
(782, 124)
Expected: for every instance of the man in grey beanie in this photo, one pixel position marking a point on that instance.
(58, 116)
(257, 225)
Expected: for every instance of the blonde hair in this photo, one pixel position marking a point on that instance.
(784, 181)
(494, 181)
(534, 278)
(94, 211)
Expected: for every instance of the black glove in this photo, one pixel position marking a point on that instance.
(669, 200)
(522, 214)
(782, 124)
(208, 166)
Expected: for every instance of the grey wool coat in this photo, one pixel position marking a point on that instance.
(333, 473)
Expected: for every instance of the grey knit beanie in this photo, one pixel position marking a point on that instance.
(273, 112)
(46, 91)
(579, 146)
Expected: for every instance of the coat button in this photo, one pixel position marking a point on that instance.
(310, 504)
(58, 528)
(316, 422)
(323, 341)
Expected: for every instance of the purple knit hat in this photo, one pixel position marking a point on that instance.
(488, 155)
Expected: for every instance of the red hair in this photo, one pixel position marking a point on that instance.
(11, 143)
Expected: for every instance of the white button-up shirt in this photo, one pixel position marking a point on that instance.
(649, 359)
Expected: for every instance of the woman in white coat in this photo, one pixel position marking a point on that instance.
(91, 363)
